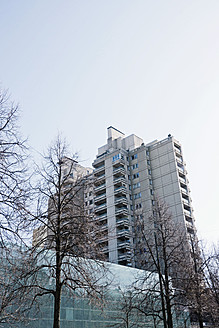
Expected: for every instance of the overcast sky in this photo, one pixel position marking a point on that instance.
(145, 67)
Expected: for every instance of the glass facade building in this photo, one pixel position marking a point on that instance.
(79, 312)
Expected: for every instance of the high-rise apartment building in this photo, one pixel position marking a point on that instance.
(128, 176)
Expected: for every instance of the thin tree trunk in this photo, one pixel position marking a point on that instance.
(56, 316)
(161, 285)
(57, 305)
(57, 302)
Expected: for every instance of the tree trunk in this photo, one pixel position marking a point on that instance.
(200, 321)
(57, 294)
(57, 304)
(161, 284)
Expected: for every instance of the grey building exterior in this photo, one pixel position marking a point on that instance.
(128, 177)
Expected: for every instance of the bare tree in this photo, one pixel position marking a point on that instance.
(195, 287)
(13, 182)
(14, 200)
(65, 242)
(206, 286)
(162, 248)
(126, 315)
(212, 282)
(16, 294)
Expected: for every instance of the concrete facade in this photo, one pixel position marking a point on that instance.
(128, 176)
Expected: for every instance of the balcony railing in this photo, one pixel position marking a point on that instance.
(123, 221)
(101, 177)
(100, 197)
(119, 180)
(121, 210)
(123, 244)
(99, 169)
(123, 232)
(121, 200)
(125, 256)
(119, 170)
(120, 190)
(100, 208)
(100, 187)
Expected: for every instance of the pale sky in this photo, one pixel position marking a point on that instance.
(145, 67)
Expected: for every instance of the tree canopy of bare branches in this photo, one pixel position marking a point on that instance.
(162, 248)
(65, 237)
(13, 180)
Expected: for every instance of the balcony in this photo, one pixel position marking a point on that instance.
(121, 201)
(105, 249)
(99, 179)
(183, 185)
(100, 198)
(121, 211)
(177, 148)
(119, 162)
(124, 244)
(122, 222)
(183, 181)
(101, 217)
(119, 180)
(99, 162)
(119, 171)
(100, 187)
(124, 256)
(103, 227)
(103, 239)
(99, 169)
(189, 219)
(186, 201)
(100, 208)
(120, 190)
(187, 209)
(123, 233)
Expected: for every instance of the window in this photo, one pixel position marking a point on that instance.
(134, 156)
(130, 197)
(152, 192)
(85, 203)
(116, 157)
(135, 176)
(147, 153)
(136, 196)
(85, 195)
(90, 193)
(135, 166)
(91, 202)
(150, 181)
(137, 206)
(148, 162)
(136, 185)
(149, 171)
